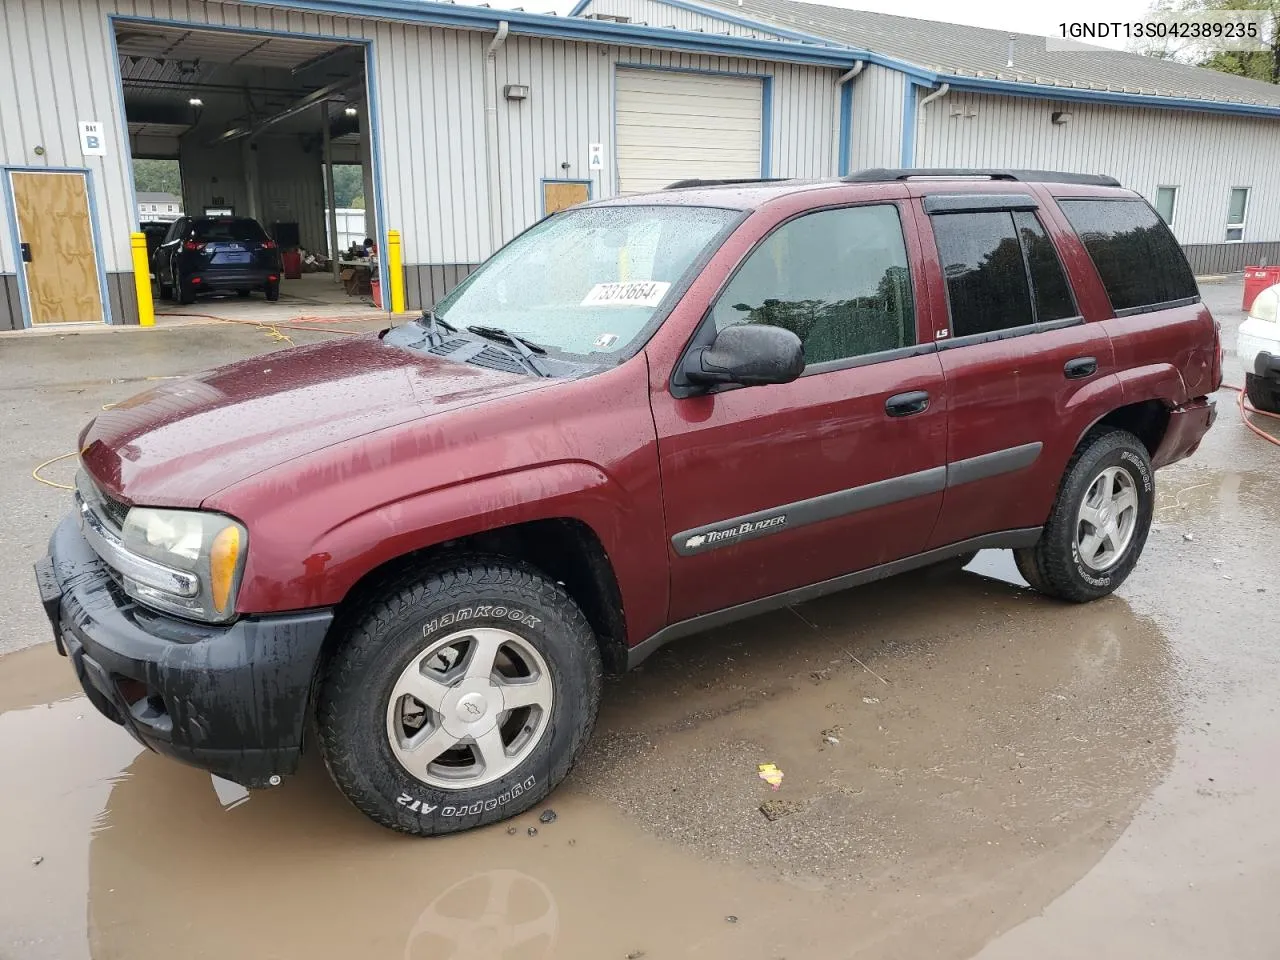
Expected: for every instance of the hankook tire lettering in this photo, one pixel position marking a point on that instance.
(481, 612)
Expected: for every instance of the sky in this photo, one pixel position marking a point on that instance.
(1040, 17)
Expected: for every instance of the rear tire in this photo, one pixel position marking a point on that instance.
(186, 294)
(1263, 394)
(273, 291)
(1099, 522)
(382, 745)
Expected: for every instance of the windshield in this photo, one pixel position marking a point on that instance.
(586, 281)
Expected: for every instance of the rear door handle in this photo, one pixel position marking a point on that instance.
(905, 404)
(1080, 367)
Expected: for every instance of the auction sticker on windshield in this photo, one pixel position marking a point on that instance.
(637, 293)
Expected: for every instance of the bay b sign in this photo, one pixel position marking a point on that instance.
(93, 140)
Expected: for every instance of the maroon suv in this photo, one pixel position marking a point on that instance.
(418, 551)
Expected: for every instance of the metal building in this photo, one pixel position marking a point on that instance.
(1202, 146)
(471, 123)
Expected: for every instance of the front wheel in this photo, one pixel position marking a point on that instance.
(1099, 522)
(460, 699)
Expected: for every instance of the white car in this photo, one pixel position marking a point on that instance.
(1258, 348)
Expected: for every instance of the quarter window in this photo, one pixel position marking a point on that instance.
(1139, 261)
(838, 279)
(1237, 209)
(1166, 203)
(1049, 284)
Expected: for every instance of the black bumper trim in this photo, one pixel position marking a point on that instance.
(231, 699)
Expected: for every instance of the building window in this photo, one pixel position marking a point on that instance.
(1236, 211)
(837, 279)
(1166, 203)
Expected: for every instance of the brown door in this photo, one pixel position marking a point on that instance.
(558, 194)
(61, 264)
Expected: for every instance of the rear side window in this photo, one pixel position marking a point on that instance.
(1048, 282)
(986, 277)
(227, 229)
(838, 279)
(1139, 261)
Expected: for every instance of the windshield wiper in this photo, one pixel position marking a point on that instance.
(433, 325)
(526, 348)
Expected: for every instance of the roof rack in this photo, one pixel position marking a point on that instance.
(680, 184)
(880, 175)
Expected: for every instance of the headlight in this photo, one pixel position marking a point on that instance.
(1264, 304)
(209, 546)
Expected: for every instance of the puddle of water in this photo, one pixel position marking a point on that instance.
(989, 747)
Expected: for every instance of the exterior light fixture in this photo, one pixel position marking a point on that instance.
(195, 102)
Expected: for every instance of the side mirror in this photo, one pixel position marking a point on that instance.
(751, 354)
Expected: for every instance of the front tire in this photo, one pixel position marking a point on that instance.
(1099, 522)
(459, 699)
(1264, 396)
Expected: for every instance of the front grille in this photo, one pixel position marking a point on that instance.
(112, 510)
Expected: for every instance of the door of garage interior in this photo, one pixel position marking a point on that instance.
(676, 126)
(56, 246)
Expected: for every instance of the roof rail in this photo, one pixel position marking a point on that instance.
(679, 184)
(880, 175)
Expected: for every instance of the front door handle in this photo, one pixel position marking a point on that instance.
(1080, 367)
(26, 252)
(905, 404)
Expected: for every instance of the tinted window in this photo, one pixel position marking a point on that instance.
(227, 229)
(838, 279)
(1049, 284)
(1140, 263)
(986, 277)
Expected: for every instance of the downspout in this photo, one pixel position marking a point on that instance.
(491, 134)
(938, 94)
(845, 83)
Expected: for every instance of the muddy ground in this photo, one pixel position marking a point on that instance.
(970, 769)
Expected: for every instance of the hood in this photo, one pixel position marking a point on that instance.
(180, 443)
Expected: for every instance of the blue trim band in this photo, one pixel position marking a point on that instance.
(581, 5)
(766, 126)
(846, 127)
(988, 85)
(909, 125)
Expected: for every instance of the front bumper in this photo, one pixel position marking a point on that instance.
(1258, 347)
(232, 699)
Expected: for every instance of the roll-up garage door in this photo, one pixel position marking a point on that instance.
(674, 126)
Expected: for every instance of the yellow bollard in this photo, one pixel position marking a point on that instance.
(395, 269)
(142, 280)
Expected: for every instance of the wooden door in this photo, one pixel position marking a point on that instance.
(61, 263)
(558, 194)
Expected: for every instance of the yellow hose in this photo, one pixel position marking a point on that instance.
(35, 474)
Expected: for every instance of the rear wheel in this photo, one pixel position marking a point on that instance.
(1099, 522)
(273, 290)
(1263, 394)
(186, 293)
(460, 699)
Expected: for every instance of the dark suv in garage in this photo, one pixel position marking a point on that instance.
(216, 254)
(640, 419)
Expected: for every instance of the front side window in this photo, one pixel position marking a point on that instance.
(986, 277)
(837, 279)
(1166, 201)
(1137, 258)
(1237, 210)
(587, 280)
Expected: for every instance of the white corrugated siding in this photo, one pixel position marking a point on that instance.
(657, 14)
(672, 126)
(876, 130)
(1202, 154)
